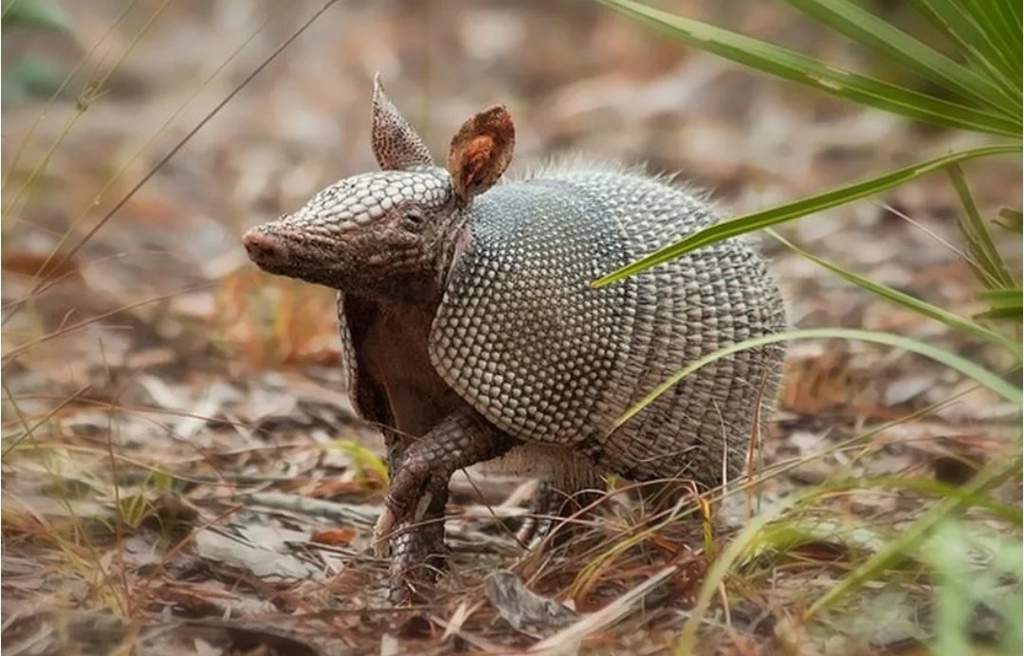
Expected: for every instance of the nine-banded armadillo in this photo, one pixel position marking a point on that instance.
(471, 331)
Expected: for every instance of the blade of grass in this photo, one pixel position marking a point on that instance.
(954, 21)
(1004, 299)
(568, 639)
(799, 208)
(990, 19)
(1006, 304)
(983, 376)
(961, 585)
(29, 430)
(8, 6)
(363, 458)
(1004, 313)
(1012, 220)
(797, 67)
(64, 330)
(1008, 513)
(12, 167)
(775, 470)
(912, 303)
(976, 232)
(191, 133)
(92, 92)
(878, 34)
(36, 15)
(598, 564)
(686, 644)
(126, 165)
(911, 537)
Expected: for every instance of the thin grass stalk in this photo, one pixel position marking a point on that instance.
(903, 299)
(28, 431)
(138, 153)
(977, 234)
(10, 6)
(23, 142)
(191, 133)
(90, 95)
(992, 381)
(911, 537)
(64, 330)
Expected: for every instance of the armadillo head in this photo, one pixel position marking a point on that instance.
(388, 233)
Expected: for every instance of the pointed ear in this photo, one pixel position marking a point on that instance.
(395, 144)
(480, 152)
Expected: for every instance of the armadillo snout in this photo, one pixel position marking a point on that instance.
(268, 251)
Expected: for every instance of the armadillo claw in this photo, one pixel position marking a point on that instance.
(382, 532)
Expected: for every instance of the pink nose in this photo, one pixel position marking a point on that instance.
(265, 249)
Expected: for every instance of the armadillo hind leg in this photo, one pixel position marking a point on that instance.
(552, 513)
(419, 490)
(544, 507)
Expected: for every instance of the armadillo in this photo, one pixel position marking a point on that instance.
(471, 331)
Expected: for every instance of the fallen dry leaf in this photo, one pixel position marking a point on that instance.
(335, 536)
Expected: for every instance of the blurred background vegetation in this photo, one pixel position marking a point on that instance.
(144, 357)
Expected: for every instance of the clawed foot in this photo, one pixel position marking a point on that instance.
(416, 547)
(412, 524)
(411, 528)
(417, 491)
(546, 503)
(549, 507)
(382, 533)
(418, 556)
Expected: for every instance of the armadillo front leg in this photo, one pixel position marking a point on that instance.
(419, 490)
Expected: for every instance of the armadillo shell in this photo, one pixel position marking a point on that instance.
(522, 336)
(519, 333)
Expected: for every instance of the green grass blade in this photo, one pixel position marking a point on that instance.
(364, 460)
(981, 246)
(797, 209)
(1011, 219)
(1002, 314)
(1005, 299)
(878, 34)
(687, 643)
(983, 376)
(911, 537)
(1011, 10)
(912, 303)
(794, 66)
(955, 21)
(1006, 304)
(1005, 512)
(993, 22)
(34, 14)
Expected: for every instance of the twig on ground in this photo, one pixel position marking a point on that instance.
(361, 514)
(566, 640)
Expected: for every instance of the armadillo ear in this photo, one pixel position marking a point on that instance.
(395, 144)
(480, 152)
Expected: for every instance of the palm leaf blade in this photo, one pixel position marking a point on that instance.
(981, 375)
(797, 67)
(868, 29)
(796, 209)
(912, 303)
(959, 25)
